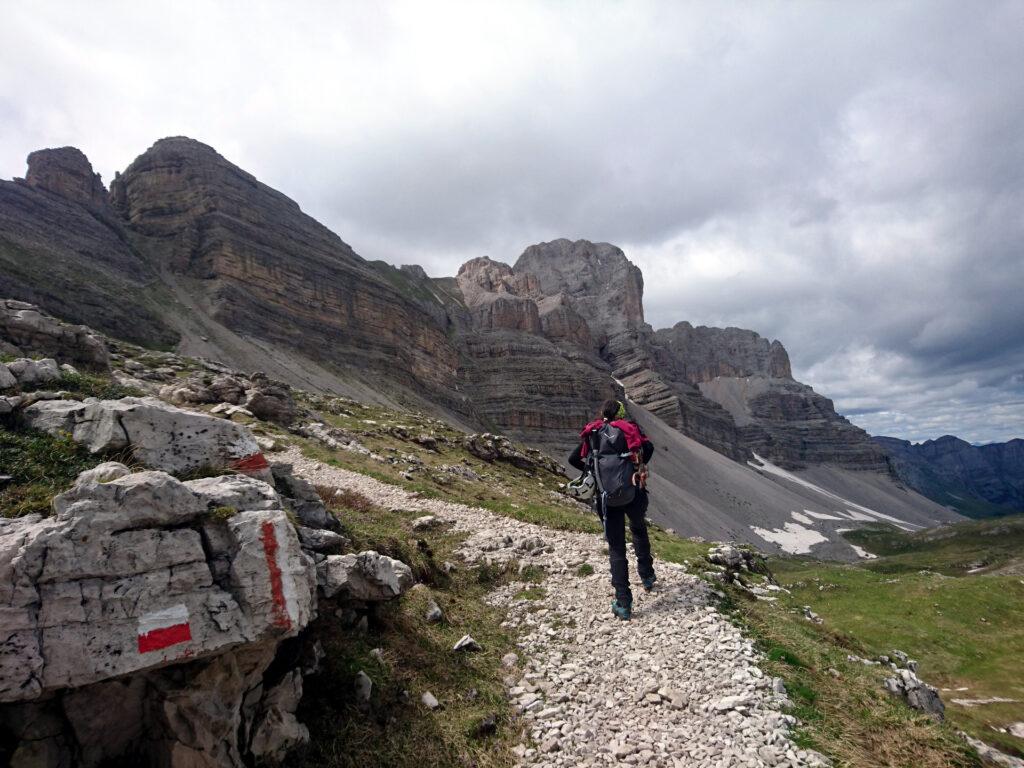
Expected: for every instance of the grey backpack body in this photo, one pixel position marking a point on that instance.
(613, 466)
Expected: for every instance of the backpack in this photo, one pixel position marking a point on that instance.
(612, 465)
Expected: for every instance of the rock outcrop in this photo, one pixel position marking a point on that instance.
(728, 388)
(158, 435)
(258, 394)
(905, 684)
(27, 331)
(499, 448)
(141, 624)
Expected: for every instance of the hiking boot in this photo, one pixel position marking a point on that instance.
(622, 609)
(648, 582)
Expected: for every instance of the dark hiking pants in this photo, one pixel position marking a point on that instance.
(615, 534)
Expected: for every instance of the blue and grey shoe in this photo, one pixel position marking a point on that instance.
(648, 582)
(622, 609)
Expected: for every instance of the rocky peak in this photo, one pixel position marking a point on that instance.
(605, 287)
(414, 271)
(701, 354)
(482, 276)
(66, 172)
(179, 179)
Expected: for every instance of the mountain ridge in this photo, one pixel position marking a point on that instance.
(976, 480)
(235, 271)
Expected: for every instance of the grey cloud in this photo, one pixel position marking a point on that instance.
(844, 177)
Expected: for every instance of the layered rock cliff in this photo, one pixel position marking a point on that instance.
(728, 388)
(63, 248)
(186, 241)
(268, 270)
(530, 369)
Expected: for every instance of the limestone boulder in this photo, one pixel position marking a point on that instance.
(27, 372)
(138, 628)
(159, 435)
(227, 389)
(270, 400)
(27, 330)
(236, 492)
(7, 379)
(119, 581)
(905, 684)
(367, 576)
(103, 473)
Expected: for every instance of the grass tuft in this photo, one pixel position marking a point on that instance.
(40, 467)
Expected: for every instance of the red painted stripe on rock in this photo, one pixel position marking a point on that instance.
(158, 639)
(255, 462)
(270, 548)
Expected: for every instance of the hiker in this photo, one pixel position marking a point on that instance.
(615, 451)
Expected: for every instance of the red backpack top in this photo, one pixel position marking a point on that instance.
(634, 437)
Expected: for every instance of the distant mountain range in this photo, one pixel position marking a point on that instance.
(975, 480)
(187, 250)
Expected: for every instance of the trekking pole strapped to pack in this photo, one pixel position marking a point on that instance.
(601, 497)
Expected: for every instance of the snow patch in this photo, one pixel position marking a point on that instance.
(792, 537)
(802, 518)
(857, 513)
(861, 552)
(822, 515)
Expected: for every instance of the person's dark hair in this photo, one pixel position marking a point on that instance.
(608, 409)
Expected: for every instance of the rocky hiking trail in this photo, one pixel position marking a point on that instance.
(677, 686)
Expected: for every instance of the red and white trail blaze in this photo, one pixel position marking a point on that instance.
(164, 628)
(252, 464)
(280, 588)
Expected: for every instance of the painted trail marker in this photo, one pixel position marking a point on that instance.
(164, 628)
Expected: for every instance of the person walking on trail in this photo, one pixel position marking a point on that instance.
(613, 455)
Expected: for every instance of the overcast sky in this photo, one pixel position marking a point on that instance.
(845, 177)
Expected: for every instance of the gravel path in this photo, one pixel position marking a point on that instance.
(677, 686)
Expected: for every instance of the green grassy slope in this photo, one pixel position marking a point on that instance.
(985, 546)
(965, 629)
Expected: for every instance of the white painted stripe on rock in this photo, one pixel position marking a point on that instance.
(287, 576)
(165, 617)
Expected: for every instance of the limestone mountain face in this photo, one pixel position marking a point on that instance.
(726, 387)
(67, 172)
(976, 480)
(268, 270)
(188, 246)
(62, 248)
(531, 369)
